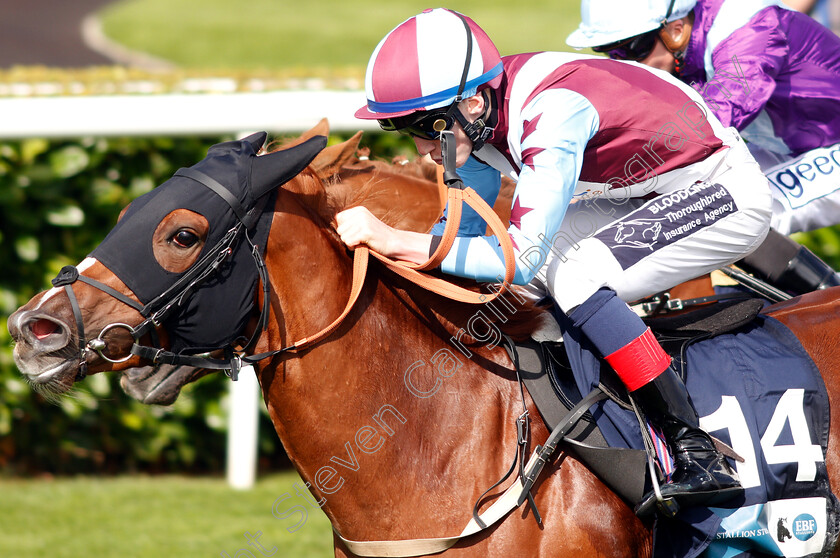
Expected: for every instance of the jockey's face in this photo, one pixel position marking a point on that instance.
(660, 58)
(463, 146)
(471, 108)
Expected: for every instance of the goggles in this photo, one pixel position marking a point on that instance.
(635, 48)
(425, 125)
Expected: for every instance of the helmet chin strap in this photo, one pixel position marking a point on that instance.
(477, 131)
(676, 46)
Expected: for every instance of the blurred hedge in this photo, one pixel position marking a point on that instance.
(58, 199)
(823, 242)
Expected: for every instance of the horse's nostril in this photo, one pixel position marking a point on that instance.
(43, 328)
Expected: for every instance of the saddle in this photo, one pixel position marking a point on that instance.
(546, 373)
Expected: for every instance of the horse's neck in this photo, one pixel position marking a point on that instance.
(381, 391)
(309, 272)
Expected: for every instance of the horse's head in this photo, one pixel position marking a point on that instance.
(169, 265)
(381, 187)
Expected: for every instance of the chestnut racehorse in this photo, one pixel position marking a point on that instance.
(399, 420)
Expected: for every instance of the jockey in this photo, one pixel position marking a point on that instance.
(624, 189)
(773, 74)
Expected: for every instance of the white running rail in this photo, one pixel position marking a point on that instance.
(179, 114)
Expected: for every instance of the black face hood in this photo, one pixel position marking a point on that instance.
(231, 187)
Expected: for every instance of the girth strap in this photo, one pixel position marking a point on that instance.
(511, 499)
(546, 451)
(421, 547)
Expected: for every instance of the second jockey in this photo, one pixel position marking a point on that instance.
(770, 72)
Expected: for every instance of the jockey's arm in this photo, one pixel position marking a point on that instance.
(558, 124)
(358, 226)
(745, 67)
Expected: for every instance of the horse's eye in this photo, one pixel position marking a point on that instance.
(185, 238)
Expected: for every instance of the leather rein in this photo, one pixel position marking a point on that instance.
(156, 311)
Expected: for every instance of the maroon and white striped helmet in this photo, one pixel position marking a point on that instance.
(419, 65)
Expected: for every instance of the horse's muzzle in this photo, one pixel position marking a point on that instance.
(41, 345)
(39, 330)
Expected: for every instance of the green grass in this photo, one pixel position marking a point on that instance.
(144, 517)
(280, 34)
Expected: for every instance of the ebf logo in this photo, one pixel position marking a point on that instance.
(804, 526)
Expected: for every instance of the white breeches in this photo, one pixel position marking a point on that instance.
(706, 216)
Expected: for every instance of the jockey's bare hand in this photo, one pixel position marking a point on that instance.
(357, 226)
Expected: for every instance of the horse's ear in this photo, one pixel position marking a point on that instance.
(330, 160)
(256, 140)
(275, 169)
(322, 128)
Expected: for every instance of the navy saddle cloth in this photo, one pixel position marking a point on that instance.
(756, 389)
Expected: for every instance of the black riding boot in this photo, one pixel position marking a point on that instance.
(789, 266)
(701, 474)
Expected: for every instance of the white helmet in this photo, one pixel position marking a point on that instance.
(422, 64)
(609, 21)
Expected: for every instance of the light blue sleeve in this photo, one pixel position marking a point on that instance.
(486, 181)
(558, 124)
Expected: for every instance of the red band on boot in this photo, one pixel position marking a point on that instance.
(639, 361)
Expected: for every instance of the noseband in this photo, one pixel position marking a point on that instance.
(65, 278)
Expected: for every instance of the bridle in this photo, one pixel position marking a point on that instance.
(174, 297)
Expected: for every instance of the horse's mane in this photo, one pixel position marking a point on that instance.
(344, 175)
(324, 197)
(334, 187)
